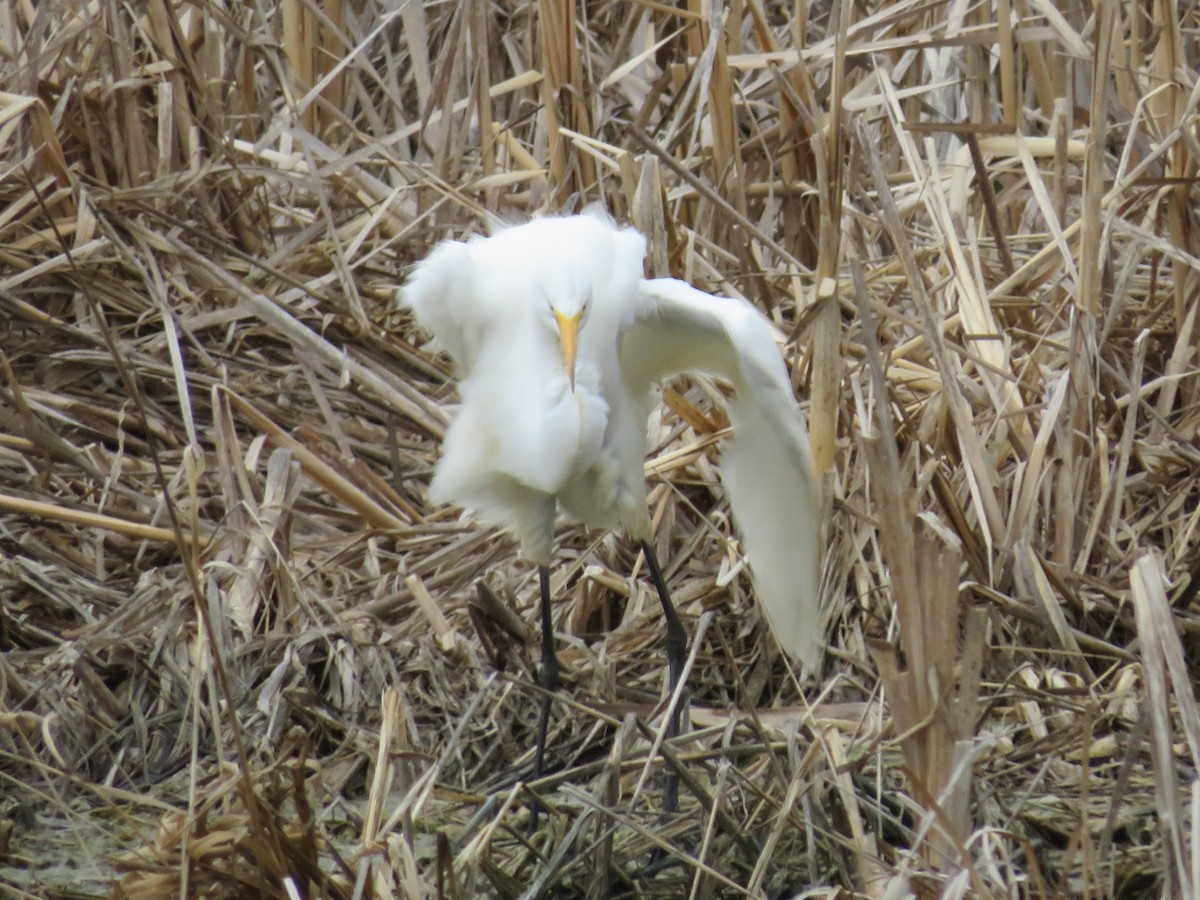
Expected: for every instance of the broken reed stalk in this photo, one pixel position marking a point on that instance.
(931, 684)
(931, 690)
(1169, 697)
(565, 94)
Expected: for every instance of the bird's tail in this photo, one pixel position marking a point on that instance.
(775, 498)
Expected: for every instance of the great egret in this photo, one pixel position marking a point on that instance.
(558, 341)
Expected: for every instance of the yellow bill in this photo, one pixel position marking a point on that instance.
(568, 336)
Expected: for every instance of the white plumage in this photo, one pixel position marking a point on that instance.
(546, 423)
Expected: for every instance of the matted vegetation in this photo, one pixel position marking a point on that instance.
(241, 655)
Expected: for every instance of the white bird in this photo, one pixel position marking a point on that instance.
(558, 342)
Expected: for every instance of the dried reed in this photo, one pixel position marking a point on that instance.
(243, 656)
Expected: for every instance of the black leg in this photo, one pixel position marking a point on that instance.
(548, 676)
(676, 654)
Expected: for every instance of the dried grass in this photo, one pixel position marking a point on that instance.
(243, 656)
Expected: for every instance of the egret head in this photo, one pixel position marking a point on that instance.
(568, 298)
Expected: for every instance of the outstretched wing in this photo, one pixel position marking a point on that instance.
(767, 466)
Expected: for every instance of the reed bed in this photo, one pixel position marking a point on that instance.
(242, 655)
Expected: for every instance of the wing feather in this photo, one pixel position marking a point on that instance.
(441, 292)
(766, 467)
